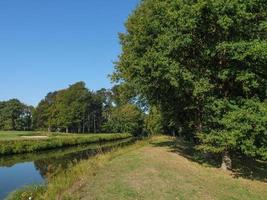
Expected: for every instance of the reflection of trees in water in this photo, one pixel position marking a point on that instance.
(52, 165)
(56, 154)
(50, 162)
(10, 160)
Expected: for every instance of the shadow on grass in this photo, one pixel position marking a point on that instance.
(242, 167)
(250, 169)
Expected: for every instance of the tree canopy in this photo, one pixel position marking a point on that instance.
(203, 65)
(126, 118)
(77, 109)
(74, 109)
(15, 115)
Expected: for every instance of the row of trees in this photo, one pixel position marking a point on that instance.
(75, 109)
(203, 66)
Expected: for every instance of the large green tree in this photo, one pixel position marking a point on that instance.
(15, 115)
(74, 109)
(71, 106)
(201, 62)
(43, 111)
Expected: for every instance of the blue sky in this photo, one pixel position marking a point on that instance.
(47, 45)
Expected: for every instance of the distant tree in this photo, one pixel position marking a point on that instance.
(96, 110)
(74, 109)
(126, 118)
(43, 112)
(15, 115)
(122, 94)
(153, 121)
(26, 119)
(70, 107)
(101, 107)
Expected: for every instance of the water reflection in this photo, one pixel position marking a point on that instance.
(20, 170)
(17, 176)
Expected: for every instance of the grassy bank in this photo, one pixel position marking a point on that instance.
(10, 160)
(17, 135)
(155, 169)
(33, 142)
(73, 177)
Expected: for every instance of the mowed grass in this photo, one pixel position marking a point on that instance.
(15, 135)
(28, 142)
(147, 171)
(157, 172)
(22, 135)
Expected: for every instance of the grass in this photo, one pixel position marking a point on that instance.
(7, 160)
(15, 142)
(29, 192)
(16, 135)
(155, 169)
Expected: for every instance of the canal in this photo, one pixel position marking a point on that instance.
(17, 171)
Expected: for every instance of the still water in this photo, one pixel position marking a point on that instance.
(18, 171)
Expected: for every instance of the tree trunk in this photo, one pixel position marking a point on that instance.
(89, 124)
(67, 129)
(83, 127)
(94, 124)
(173, 133)
(226, 161)
(88, 128)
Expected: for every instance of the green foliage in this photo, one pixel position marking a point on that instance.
(153, 122)
(75, 109)
(15, 115)
(125, 119)
(29, 192)
(243, 129)
(201, 62)
(122, 94)
(70, 107)
(41, 114)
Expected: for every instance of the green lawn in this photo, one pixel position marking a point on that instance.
(160, 169)
(14, 135)
(26, 135)
(26, 142)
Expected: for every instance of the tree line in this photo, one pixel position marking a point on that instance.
(75, 109)
(202, 66)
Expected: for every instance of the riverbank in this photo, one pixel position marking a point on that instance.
(155, 169)
(34, 142)
(37, 168)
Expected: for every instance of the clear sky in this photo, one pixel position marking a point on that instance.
(45, 45)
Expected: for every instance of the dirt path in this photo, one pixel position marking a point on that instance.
(157, 172)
